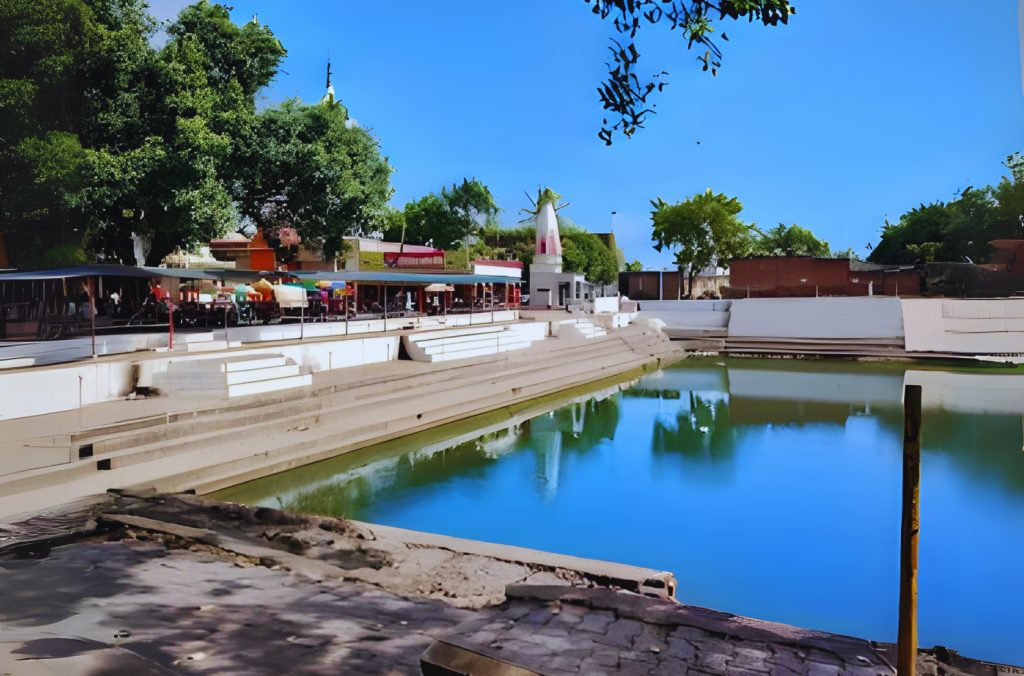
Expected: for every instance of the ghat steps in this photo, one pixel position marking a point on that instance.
(580, 329)
(256, 436)
(233, 376)
(452, 344)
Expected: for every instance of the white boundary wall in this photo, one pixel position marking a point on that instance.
(35, 391)
(990, 326)
(40, 390)
(839, 318)
(606, 304)
(687, 314)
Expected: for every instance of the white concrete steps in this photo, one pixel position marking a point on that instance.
(249, 439)
(274, 384)
(312, 445)
(577, 328)
(234, 421)
(266, 373)
(249, 363)
(234, 418)
(234, 376)
(242, 438)
(451, 344)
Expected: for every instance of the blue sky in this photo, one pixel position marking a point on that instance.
(848, 115)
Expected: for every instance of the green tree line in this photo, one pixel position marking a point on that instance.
(706, 229)
(960, 229)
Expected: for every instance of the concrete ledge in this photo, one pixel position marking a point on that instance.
(645, 581)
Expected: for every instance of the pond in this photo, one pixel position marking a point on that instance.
(770, 488)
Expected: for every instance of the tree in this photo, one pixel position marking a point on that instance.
(625, 95)
(392, 227)
(849, 254)
(960, 229)
(473, 206)
(453, 217)
(105, 135)
(702, 231)
(584, 252)
(634, 266)
(791, 241)
(514, 243)
(305, 167)
(428, 219)
(44, 44)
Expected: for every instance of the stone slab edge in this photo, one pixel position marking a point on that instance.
(645, 581)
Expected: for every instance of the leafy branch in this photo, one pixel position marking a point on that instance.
(626, 96)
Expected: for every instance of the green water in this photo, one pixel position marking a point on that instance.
(771, 489)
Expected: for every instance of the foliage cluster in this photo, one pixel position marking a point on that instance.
(448, 219)
(702, 231)
(624, 94)
(106, 135)
(960, 229)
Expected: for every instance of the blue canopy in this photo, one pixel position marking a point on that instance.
(410, 278)
(114, 270)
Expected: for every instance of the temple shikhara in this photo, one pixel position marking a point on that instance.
(549, 286)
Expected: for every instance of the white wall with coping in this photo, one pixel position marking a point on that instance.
(606, 304)
(687, 314)
(72, 349)
(37, 391)
(990, 326)
(816, 318)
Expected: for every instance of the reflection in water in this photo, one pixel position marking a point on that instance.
(772, 489)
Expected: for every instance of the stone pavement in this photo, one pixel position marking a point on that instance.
(594, 633)
(183, 585)
(196, 612)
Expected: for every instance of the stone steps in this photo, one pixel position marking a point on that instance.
(139, 440)
(325, 445)
(235, 377)
(249, 439)
(578, 328)
(448, 345)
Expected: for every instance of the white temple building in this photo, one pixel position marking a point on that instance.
(549, 286)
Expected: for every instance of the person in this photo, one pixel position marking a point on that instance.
(84, 306)
(112, 306)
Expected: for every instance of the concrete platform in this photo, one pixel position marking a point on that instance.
(179, 584)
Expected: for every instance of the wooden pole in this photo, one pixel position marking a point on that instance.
(92, 315)
(906, 647)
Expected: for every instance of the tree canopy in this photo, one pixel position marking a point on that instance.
(791, 241)
(625, 95)
(448, 219)
(307, 168)
(702, 230)
(584, 252)
(106, 135)
(960, 229)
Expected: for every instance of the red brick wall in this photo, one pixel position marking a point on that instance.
(787, 277)
(790, 276)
